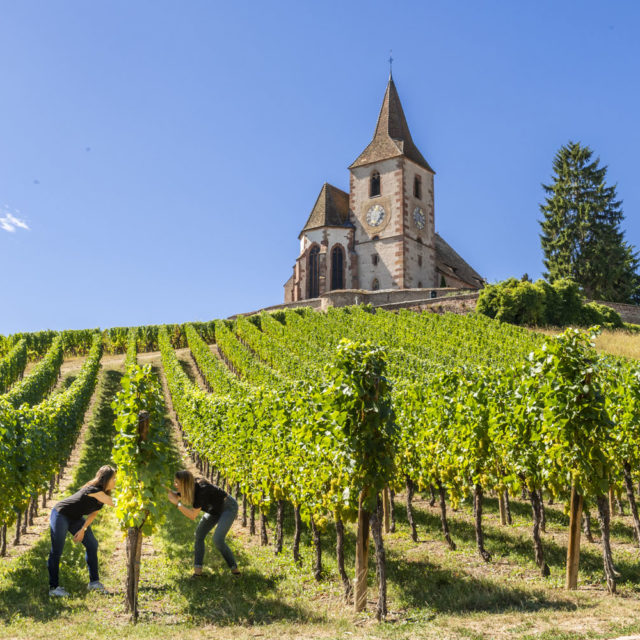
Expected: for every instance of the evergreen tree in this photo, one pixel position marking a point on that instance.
(581, 235)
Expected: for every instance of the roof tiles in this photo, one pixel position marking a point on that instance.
(392, 137)
(450, 263)
(330, 210)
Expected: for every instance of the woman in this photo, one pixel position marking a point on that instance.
(68, 516)
(218, 507)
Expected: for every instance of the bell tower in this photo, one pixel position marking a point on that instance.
(391, 200)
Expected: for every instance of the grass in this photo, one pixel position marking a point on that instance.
(618, 342)
(433, 592)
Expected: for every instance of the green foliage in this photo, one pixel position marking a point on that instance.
(581, 236)
(432, 398)
(217, 376)
(523, 303)
(12, 365)
(543, 304)
(594, 313)
(279, 438)
(35, 441)
(240, 357)
(563, 302)
(132, 348)
(244, 426)
(74, 342)
(143, 474)
(41, 380)
(115, 340)
(575, 425)
(268, 350)
(468, 405)
(359, 399)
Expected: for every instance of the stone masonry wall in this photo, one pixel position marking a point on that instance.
(628, 312)
(454, 300)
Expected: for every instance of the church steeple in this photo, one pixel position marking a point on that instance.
(392, 137)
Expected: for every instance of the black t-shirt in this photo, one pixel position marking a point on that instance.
(208, 497)
(79, 504)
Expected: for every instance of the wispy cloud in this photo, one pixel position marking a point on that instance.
(9, 222)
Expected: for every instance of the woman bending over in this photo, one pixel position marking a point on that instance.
(218, 508)
(68, 516)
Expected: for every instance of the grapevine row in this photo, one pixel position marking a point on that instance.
(77, 342)
(37, 440)
(42, 379)
(494, 424)
(12, 365)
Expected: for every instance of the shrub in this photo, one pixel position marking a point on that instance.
(594, 313)
(543, 304)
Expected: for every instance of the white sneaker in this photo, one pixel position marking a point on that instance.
(96, 585)
(58, 592)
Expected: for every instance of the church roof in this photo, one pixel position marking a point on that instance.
(330, 210)
(450, 263)
(392, 137)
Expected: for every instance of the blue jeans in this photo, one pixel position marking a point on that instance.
(59, 525)
(224, 522)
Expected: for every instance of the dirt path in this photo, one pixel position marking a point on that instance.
(176, 435)
(216, 352)
(184, 356)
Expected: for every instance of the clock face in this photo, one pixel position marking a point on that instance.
(418, 218)
(375, 215)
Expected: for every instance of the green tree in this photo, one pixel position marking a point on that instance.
(581, 236)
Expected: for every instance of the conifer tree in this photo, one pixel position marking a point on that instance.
(581, 236)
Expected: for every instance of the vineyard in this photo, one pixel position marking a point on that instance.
(400, 473)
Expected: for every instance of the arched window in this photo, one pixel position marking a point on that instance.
(337, 267)
(374, 259)
(417, 187)
(375, 285)
(419, 240)
(419, 261)
(376, 238)
(312, 272)
(374, 184)
(419, 285)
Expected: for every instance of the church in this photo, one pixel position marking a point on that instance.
(380, 235)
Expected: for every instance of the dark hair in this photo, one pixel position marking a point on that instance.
(102, 477)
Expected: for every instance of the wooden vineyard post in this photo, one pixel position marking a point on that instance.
(362, 557)
(612, 502)
(134, 539)
(134, 551)
(386, 505)
(503, 508)
(573, 551)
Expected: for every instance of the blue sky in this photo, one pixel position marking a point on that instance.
(165, 155)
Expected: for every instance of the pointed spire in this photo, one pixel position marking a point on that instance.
(392, 137)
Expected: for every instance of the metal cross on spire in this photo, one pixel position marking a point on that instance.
(390, 63)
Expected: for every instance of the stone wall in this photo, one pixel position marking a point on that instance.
(437, 299)
(462, 304)
(444, 300)
(628, 312)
